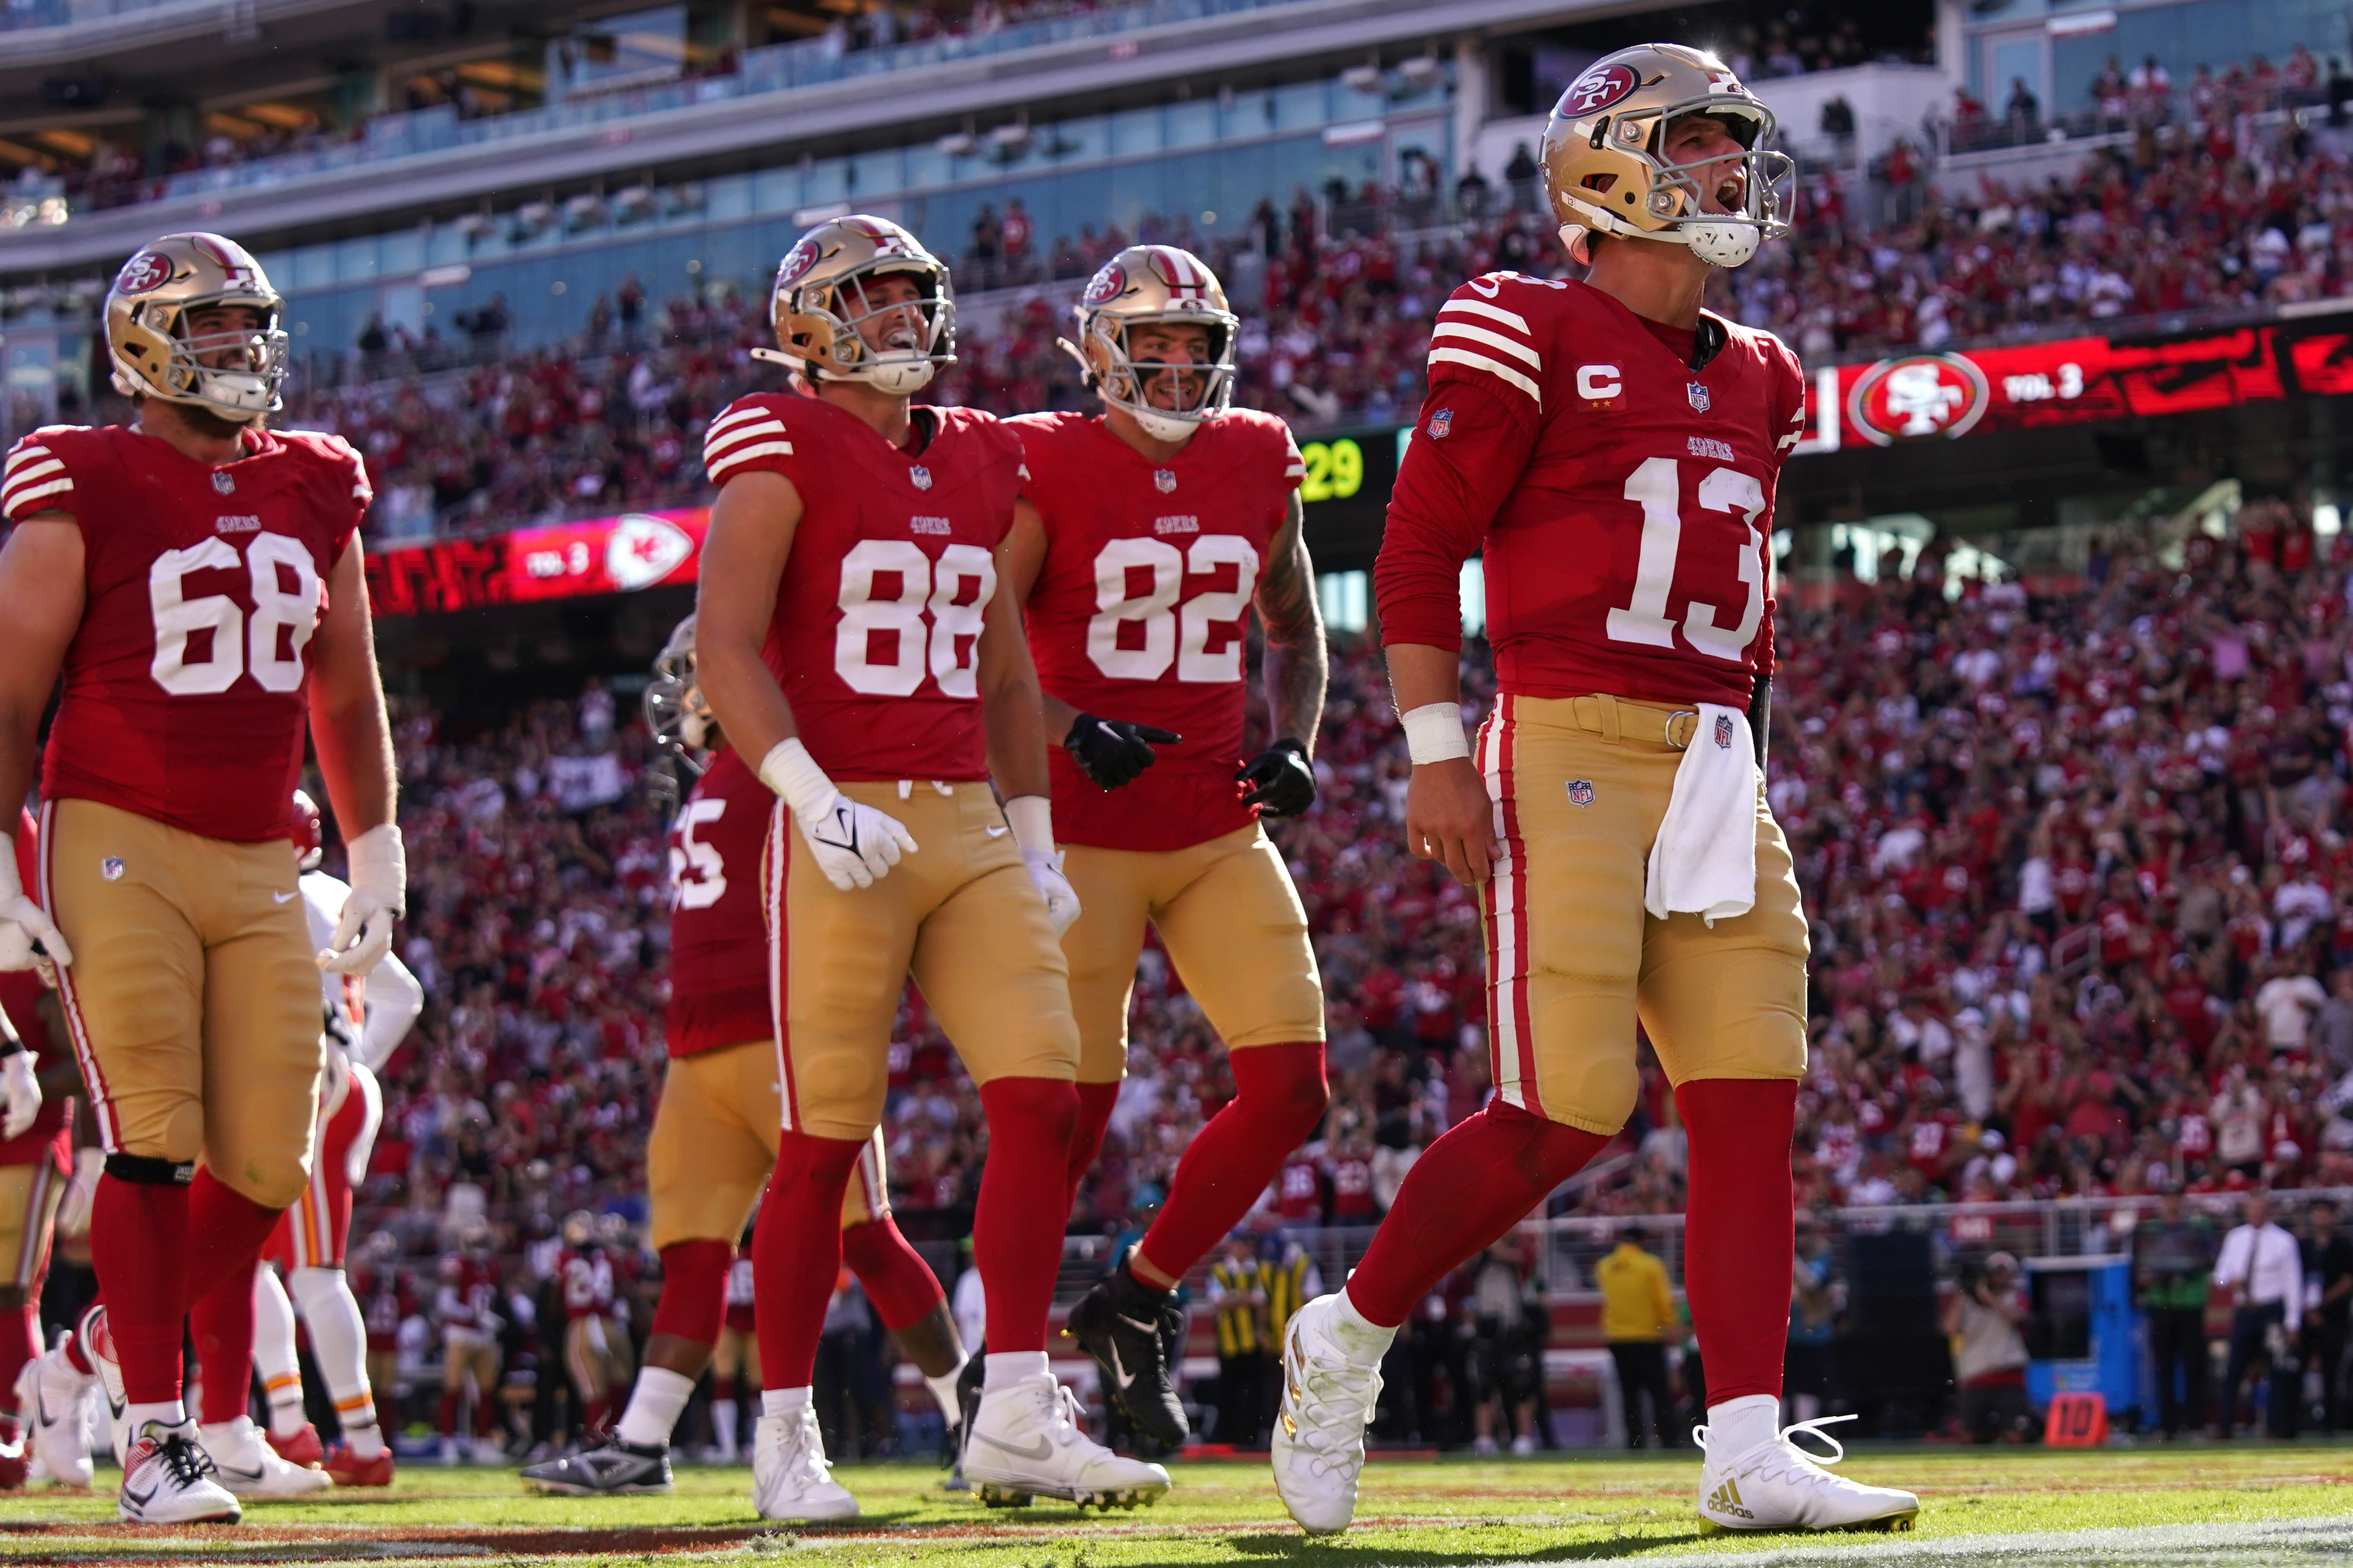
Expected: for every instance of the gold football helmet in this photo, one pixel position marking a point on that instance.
(147, 328)
(1143, 285)
(1605, 165)
(675, 711)
(820, 299)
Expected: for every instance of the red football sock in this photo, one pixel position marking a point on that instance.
(138, 1244)
(226, 1230)
(1095, 1102)
(1024, 1179)
(1739, 1228)
(797, 1252)
(20, 1342)
(897, 1280)
(220, 1324)
(694, 1303)
(448, 1419)
(486, 1413)
(1280, 1096)
(1473, 1185)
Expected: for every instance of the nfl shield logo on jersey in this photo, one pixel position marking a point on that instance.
(921, 476)
(1697, 390)
(1441, 423)
(1723, 732)
(110, 867)
(1580, 791)
(222, 482)
(1164, 480)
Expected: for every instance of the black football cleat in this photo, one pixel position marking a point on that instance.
(1119, 1323)
(611, 1469)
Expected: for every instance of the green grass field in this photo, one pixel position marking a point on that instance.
(2223, 1505)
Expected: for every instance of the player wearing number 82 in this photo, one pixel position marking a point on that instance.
(197, 580)
(849, 635)
(1611, 448)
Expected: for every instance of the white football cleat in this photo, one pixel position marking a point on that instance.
(1319, 1427)
(169, 1480)
(53, 1397)
(1776, 1485)
(97, 1341)
(790, 1479)
(488, 1451)
(1027, 1442)
(250, 1467)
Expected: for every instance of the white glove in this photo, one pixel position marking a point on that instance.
(379, 896)
(1031, 817)
(82, 1190)
(22, 1090)
(22, 923)
(855, 844)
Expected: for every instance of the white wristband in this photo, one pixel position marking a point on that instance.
(379, 865)
(1433, 733)
(794, 776)
(1031, 817)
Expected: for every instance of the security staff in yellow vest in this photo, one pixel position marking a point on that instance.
(1247, 1342)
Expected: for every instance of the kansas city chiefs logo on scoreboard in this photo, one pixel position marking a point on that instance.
(148, 269)
(645, 548)
(1105, 285)
(1917, 397)
(1596, 91)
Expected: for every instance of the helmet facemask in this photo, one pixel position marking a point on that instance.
(1205, 387)
(682, 721)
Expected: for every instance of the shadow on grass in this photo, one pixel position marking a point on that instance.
(1304, 1553)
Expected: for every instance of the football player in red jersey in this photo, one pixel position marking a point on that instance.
(467, 1305)
(1146, 534)
(1611, 449)
(196, 578)
(715, 1136)
(850, 635)
(37, 1083)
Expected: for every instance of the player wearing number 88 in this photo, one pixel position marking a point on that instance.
(1155, 528)
(849, 635)
(1611, 449)
(197, 580)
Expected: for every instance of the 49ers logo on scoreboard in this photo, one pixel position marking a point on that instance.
(147, 270)
(1597, 90)
(1918, 396)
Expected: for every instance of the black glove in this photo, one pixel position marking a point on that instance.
(1112, 752)
(1281, 781)
(1760, 716)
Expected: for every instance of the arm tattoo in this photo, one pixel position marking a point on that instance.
(1296, 661)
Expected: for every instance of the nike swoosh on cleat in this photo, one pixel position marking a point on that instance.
(235, 1474)
(1044, 1450)
(1126, 1378)
(137, 1500)
(1140, 1326)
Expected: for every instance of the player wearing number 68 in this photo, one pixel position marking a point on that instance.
(1611, 448)
(1157, 527)
(196, 578)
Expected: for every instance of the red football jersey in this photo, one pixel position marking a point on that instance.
(183, 687)
(1142, 607)
(1623, 501)
(20, 996)
(718, 932)
(877, 630)
(588, 1280)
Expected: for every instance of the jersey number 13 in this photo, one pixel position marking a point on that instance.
(1656, 486)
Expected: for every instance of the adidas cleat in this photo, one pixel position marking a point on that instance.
(1776, 1485)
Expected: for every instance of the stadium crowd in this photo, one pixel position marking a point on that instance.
(1336, 319)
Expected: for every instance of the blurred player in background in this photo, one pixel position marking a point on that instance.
(196, 578)
(714, 1135)
(596, 1350)
(37, 1083)
(1611, 449)
(386, 1300)
(368, 1017)
(466, 1306)
(736, 1360)
(1147, 535)
(850, 637)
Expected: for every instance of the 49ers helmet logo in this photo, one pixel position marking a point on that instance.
(1917, 397)
(1597, 90)
(797, 261)
(1106, 285)
(148, 269)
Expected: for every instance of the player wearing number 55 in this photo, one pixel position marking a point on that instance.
(1611, 448)
(196, 578)
(850, 635)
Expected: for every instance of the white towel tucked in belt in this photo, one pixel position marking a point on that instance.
(1704, 859)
